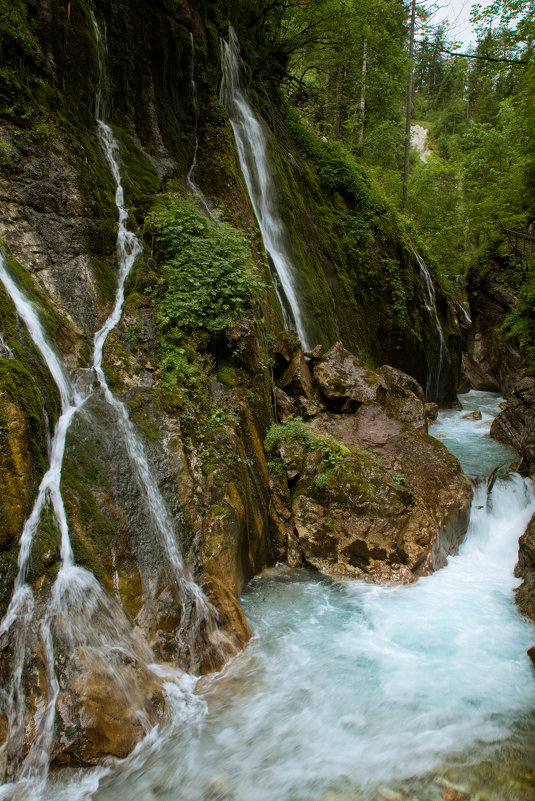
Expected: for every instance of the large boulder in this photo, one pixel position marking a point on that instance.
(368, 510)
(361, 491)
(345, 381)
(297, 378)
(405, 398)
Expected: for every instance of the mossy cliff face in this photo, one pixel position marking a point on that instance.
(491, 358)
(196, 385)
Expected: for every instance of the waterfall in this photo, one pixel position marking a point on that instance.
(102, 94)
(78, 612)
(70, 403)
(432, 391)
(252, 144)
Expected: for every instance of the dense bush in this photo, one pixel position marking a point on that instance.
(209, 281)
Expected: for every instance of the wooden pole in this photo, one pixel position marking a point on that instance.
(409, 111)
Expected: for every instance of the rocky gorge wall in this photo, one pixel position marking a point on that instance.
(199, 393)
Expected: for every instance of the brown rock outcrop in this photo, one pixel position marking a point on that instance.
(525, 569)
(345, 381)
(16, 474)
(405, 398)
(297, 379)
(370, 495)
(491, 359)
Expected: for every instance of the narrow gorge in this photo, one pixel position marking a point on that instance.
(256, 540)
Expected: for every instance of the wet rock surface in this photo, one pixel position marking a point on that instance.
(525, 569)
(345, 381)
(515, 425)
(490, 360)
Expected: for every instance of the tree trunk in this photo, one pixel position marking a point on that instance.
(363, 93)
(340, 79)
(409, 111)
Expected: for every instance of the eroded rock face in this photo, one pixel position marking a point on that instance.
(16, 474)
(369, 494)
(297, 379)
(515, 425)
(525, 569)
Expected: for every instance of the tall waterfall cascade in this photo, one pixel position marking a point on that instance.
(199, 617)
(251, 137)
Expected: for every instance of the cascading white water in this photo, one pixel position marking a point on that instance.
(70, 403)
(78, 612)
(20, 613)
(5, 350)
(252, 144)
(430, 302)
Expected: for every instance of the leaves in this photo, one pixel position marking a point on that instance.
(208, 275)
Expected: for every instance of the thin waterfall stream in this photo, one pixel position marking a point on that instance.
(252, 144)
(194, 161)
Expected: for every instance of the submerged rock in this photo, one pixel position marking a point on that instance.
(476, 415)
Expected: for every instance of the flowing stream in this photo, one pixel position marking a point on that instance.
(252, 144)
(352, 692)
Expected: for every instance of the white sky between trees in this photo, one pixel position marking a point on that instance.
(457, 14)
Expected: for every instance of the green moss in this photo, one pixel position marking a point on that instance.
(145, 417)
(84, 482)
(19, 385)
(45, 559)
(218, 511)
(227, 375)
(139, 177)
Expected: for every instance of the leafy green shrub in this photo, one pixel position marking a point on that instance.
(520, 322)
(296, 432)
(207, 271)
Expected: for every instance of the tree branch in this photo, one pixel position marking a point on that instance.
(519, 61)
